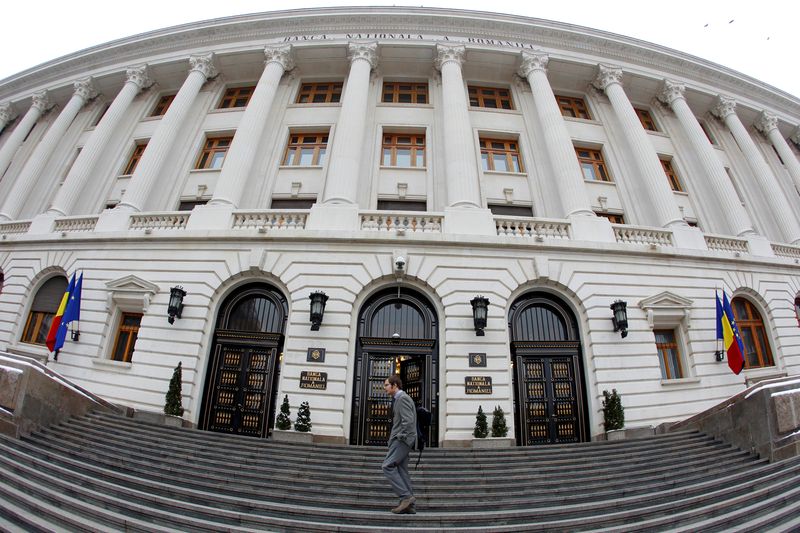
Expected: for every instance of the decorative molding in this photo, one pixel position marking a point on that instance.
(449, 52)
(41, 101)
(667, 309)
(140, 75)
(671, 91)
(130, 293)
(7, 113)
(766, 122)
(606, 75)
(203, 63)
(84, 89)
(281, 54)
(795, 137)
(724, 107)
(368, 51)
(533, 61)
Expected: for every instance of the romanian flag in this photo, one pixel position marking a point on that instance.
(71, 312)
(728, 333)
(56, 324)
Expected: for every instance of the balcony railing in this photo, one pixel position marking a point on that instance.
(410, 222)
(160, 221)
(75, 224)
(784, 250)
(536, 228)
(726, 244)
(640, 235)
(16, 227)
(270, 219)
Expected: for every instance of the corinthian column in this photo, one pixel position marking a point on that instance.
(731, 209)
(40, 103)
(662, 202)
(7, 114)
(461, 174)
(726, 111)
(768, 125)
(242, 152)
(341, 185)
(84, 91)
(564, 164)
(79, 174)
(149, 168)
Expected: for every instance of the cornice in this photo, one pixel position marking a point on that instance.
(561, 40)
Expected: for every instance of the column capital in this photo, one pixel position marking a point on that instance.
(7, 113)
(533, 61)
(766, 122)
(84, 89)
(139, 75)
(671, 91)
(449, 52)
(281, 54)
(725, 106)
(203, 63)
(607, 75)
(795, 137)
(41, 101)
(367, 51)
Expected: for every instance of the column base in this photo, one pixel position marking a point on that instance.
(42, 224)
(688, 237)
(333, 217)
(113, 220)
(591, 228)
(468, 221)
(210, 217)
(760, 246)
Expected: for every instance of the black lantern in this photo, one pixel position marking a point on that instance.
(318, 300)
(175, 307)
(620, 317)
(480, 308)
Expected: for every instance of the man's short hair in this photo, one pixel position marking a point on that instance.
(394, 379)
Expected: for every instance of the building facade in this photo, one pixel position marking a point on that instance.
(412, 165)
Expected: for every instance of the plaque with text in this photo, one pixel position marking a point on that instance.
(478, 385)
(315, 355)
(477, 359)
(310, 379)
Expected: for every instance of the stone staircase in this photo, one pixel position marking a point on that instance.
(105, 472)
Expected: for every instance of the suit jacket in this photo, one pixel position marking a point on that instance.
(404, 419)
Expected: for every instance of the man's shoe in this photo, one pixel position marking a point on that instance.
(405, 503)
(412, 509)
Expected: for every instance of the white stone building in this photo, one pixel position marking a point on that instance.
(550, 168)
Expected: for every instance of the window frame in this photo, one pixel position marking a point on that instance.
(414, 92)
(333, 94)
(133, 333)
(574, 106)
(480, 98)
(233, 99)
(295, 147)
(133, 160)
(416, 144)
(672, 175)
(646, 119)
(754, 323)
(613, 218)
(598, 164)
(211, 149)
(41, 320)
(663, 354)
(485, 147)
(163, 104)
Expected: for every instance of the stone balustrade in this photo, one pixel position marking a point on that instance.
(270, 219)
(75, 224)
(16, 227)
(537, 228)
(159, 221)
(726, 244)
(784, 250)
(410, 222)
(640, 235)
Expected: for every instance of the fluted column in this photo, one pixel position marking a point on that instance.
(79, 174)
(40, 103)
(768, 125)
(84, 91)
(341, 185)
(461, 174)
(726, 111)
(158, 148)
(645, 159)
(7, 114)
(566, 171)
(242, 152)
(735, 215)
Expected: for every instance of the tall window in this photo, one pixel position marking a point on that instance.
(490, 97)
(163, 104)
(646, 119)
(500, 155)
(708, 133)
(669, 355)
(757, 352)
(213, 153)
(44, 307)
(405, 93)
(127, 332)
(320, 93)
(573, 107)
(236, 97)
(401, 150)
(134, 160)
(306, 149)
(674, 182)
(614, 218)
(592, 164)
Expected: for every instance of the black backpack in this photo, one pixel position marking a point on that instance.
(423, 428)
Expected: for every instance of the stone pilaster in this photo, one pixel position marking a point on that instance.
(40, 102)
(767, 124)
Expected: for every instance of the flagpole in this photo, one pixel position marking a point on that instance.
(718, 354)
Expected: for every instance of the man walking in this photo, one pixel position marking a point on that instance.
(401, 441)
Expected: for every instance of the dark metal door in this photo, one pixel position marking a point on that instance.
(378, 405)
(412, 372)
(547, 392)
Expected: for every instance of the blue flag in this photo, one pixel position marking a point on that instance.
(61, 332)
(73, 310)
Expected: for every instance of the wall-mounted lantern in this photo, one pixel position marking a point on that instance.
(620, 317)
(175, 307)
(318, 300)
(480, 309)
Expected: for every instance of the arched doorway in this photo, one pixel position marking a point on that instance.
(397, 333)
(549, 397)
(241, 381)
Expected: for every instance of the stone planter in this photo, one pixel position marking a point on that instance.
(493, 442)
(292, 436)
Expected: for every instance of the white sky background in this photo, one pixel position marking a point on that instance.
(758, 42)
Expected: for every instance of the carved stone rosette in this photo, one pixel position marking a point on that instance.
(203, 63)
(449, 52)
(139, 75)
(606, 75)
(725, 106)
(532, 61)
(766, 122)
(84, 89)
(281, 54)
(671, 91)
(367, 51)
(41, 101)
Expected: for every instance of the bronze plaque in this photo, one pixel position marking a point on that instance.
(478, 385)
(315, 355)
(477, 359)
(310, 379)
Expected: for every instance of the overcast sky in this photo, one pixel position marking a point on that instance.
(752, 37)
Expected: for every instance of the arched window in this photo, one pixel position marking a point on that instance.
(757, 352)
(44, 307)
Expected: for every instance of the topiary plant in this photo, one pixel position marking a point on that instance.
(613, 412)
(303, 422)
(481, 428)
(499, 427)
(283, 422)
(173, 405)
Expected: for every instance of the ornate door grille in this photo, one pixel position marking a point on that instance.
(547, 391)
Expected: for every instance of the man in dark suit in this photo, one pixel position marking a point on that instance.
(401, 441)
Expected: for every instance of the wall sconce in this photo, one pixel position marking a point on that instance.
(480, 307)
(175, 307)
(318, 300)
(620, 317)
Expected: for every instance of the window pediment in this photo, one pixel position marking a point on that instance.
(666, 309)
(131, 293)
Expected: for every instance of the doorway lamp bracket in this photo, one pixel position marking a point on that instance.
(317, 308)
(620, 317)
(480, 309)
